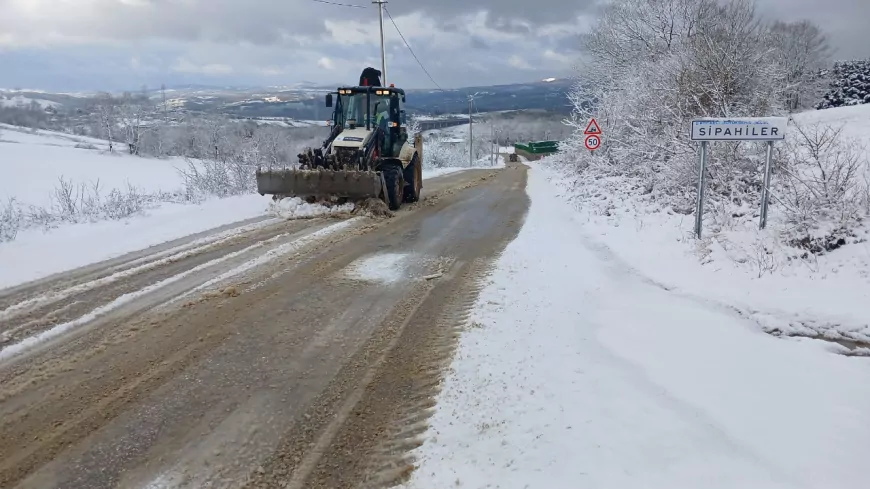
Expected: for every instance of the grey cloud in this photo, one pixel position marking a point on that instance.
(535, 12)
(845, 21)
(173, 29)
(478, 43)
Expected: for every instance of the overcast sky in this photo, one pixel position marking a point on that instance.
(120, 44)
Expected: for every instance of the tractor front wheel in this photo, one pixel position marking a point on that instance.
(395, 182)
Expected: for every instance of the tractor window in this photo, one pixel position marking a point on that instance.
(354, 108)
(381, 110)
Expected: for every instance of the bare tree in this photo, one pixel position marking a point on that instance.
(106, 110)
(132, 109)
(822, 180)
(803, 52)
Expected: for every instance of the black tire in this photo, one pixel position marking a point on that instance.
(393, 179)
(413, 181)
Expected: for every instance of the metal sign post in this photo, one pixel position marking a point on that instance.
(768, 129)
(702, 185)
(765, 191)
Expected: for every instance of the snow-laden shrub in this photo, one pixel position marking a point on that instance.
(73, 203)
(10, 220)
(76, 203)
(823, 188)
(446, 152)
(849, 84)
(220, 178)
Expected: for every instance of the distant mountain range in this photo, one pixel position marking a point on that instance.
(306, 100)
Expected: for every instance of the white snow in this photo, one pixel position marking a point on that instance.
(578, 370)
(32, 165)
(296, 208)
(16, 134)
(855, 120)
(36, 254)
(22, 101)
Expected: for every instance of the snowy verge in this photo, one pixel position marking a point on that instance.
(577, 372)
(742, 268)
(36, 254)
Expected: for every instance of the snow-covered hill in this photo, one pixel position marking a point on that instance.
(34, 162)
(11, 100)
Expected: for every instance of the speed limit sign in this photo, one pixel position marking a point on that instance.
(592, 142)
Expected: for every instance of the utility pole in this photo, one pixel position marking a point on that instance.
(492, 143)
(470, 132)
(163, 91)
(380, 4)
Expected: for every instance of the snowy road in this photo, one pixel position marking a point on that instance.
(579, 371)
(478, 339)
(246, 357)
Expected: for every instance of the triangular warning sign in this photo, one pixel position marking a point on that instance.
(592, 128)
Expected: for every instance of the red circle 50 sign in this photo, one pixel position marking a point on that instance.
(592, 142)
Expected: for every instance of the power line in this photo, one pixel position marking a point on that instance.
(411, 50)
(339, 4)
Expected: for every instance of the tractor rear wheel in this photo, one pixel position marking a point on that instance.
(413, 181)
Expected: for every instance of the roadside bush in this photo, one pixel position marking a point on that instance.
(10, 220)
(76, 203)
(823, 187)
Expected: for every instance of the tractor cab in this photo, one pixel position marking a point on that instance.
(378, 110)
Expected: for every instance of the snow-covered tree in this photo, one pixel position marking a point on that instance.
(654, 65)
(802, 50)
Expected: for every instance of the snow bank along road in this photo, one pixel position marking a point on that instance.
(273, 354)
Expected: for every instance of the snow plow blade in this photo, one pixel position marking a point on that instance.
(320, 184)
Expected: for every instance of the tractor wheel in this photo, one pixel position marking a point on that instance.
(413, 181)
(393, 179)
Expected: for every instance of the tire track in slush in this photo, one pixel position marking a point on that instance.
(59, 329)
(361, 432)
(61, 288)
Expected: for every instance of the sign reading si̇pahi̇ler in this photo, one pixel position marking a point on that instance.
(740, 129)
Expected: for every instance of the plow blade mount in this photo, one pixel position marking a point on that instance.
(320, 184)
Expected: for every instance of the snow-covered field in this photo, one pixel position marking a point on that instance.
(11, 100)
(33, 163)
(581, 369)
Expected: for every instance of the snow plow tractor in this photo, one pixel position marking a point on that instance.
(368, 153)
